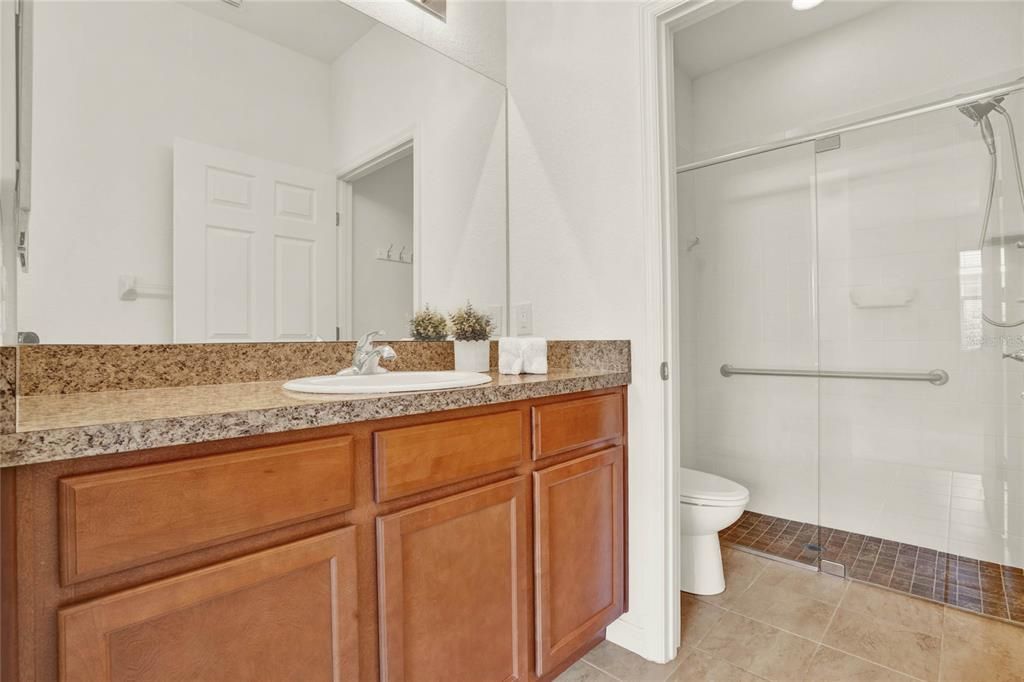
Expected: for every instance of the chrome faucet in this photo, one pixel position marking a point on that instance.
(366, 358)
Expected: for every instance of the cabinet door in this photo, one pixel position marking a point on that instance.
(578, 552)
(454, 587)
(286, 613)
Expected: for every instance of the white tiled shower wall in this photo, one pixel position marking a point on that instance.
(785, 238)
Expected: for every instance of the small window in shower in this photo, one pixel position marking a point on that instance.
(971, 329)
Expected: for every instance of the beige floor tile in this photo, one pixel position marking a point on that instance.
(625, 665)
(832, 665)
(697, 666)
(581, 671)
(977, 648)
(910, 612)
(758, 648)
(741, 569)
(885, 642)
(784, 609)
(813, 584)
(697, 619)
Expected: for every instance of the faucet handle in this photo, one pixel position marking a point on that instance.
(366, 340)
(1018, 356)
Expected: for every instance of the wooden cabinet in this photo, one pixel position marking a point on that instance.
(454, 587)
(424, 547)
(287, 613)
(579, 552)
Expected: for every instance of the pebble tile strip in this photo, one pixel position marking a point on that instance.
(977, 586)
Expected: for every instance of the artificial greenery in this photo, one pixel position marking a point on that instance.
(428, 325)
(469, 325)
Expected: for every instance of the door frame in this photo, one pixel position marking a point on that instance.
(394, 149)
(658, 338)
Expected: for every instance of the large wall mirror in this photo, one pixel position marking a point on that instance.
(254, 170)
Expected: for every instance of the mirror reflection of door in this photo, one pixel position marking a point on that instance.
(382, 249)
(254, 248)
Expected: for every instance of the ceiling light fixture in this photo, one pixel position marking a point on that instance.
(801, 5)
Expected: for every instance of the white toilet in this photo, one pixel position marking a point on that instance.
(707, 504)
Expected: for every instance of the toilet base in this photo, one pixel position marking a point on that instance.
(700, 565)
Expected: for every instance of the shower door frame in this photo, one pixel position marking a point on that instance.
(655, 387)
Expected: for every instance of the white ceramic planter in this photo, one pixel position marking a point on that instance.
(472, 356)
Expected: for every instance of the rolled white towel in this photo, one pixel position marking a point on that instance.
(535, 354)
(510, 356)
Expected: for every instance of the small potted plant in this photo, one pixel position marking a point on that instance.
(472, 332)
(428, 325)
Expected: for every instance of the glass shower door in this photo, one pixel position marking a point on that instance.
(747, 269)
(914, 472)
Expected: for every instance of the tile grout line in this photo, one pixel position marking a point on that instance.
(942, 640)
(600, 669)
(874, 663)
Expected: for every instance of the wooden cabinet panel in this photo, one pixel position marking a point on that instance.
(559, 427)
(126, 517)
(454, 587)
(287, 613)
(578, 552)
(417, 458)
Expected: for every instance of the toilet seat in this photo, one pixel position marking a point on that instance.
(707, 490)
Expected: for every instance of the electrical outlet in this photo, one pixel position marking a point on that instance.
(522, 319)
(497, 315)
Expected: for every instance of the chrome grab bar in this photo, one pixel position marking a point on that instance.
(937, 377)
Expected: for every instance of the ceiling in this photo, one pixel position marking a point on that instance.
(751, 27)
(321, 29)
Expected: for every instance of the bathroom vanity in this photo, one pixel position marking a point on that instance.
(480, 543)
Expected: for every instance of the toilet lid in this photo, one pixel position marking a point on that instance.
(698, 485)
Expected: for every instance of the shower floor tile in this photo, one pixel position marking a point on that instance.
(966, 583)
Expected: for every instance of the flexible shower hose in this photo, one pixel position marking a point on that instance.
(991, 192)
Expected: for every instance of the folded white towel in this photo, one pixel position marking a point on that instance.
(510, 360)
(535, 354)
(518, 354)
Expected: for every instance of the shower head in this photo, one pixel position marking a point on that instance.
(978, 112)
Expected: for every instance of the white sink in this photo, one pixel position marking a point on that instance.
(391, 382)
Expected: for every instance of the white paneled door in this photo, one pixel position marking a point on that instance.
(255, 248)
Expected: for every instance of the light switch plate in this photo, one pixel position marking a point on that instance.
(497, 315)
(522, 319)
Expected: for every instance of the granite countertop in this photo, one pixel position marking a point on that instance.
(69, 426)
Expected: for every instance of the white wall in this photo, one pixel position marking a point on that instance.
(748, 301)
(382, 216)
(473, 32)
(103, 127)
(458, 120)
(575, 234)
(904, 54)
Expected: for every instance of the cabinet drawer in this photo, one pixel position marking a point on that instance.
(287, 613)
(416, 458)
(558, 427)
(118, 519)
